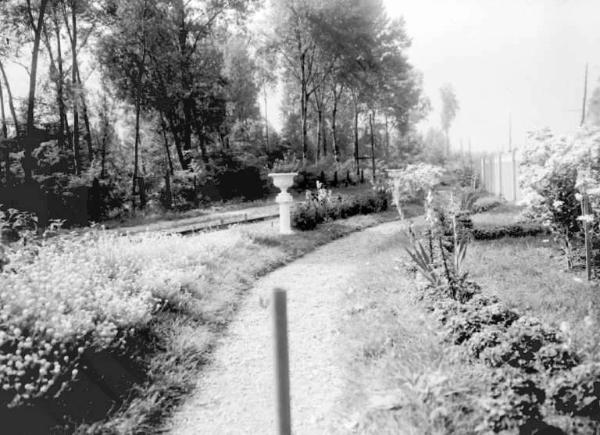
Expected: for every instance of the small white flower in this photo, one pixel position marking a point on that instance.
(586, 218)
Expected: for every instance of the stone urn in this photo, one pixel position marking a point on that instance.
(283, 181)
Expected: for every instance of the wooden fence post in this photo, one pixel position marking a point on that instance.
(282, 369)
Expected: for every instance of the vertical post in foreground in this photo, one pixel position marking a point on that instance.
(282, 371)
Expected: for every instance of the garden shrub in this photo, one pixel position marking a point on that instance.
(515, 230)
(322, 206)
(520, 344)
(486, 203)
(473, 319)
(556, 357)
(515, 402)
(488, 337)
(577, 391)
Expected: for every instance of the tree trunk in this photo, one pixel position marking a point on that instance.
(266, 118)
(4, 130)
(30, 141)
(136, 146)
(324, 134)
(387, 138)
(178, 145)
(372, 145)
(3, 136)
(163, 127)
(62, 113)
(356, 156)
(56, 75)
(187, 127)
(303, 101)
(103, 158)
(76, 155)
(319, 120)
(11, 103)
(336, 147)
(138, 109)
(86, 118)
(202, 137)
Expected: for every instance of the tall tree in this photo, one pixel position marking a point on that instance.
(449, 110)
(37, 27)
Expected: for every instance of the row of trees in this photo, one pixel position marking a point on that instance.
(344, 63)
(160, 97)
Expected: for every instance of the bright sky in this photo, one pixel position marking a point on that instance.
(525, 58)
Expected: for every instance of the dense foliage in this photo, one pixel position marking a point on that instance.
(322, 206)
(155, 104)
(557, 175)
(67, 296)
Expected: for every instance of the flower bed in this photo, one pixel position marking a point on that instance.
(537, 377)
(321, 206)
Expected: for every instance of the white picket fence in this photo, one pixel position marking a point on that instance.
(500, 174)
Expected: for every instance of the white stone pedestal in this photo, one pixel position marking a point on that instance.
(283, 181)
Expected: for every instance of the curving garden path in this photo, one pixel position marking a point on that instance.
(235, 394)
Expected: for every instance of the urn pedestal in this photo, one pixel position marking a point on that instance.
(283, 181)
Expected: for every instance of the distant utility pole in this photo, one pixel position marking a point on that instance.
(509, 132)
(585, 83)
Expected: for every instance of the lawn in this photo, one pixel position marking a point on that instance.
(530, 275)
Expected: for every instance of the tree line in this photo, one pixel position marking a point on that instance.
(132, 101)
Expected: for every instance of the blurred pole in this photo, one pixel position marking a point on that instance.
(282, 370)
(584, 96)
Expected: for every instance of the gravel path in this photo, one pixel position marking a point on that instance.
(235, 394)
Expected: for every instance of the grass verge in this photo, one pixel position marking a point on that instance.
(411, 373)
(404, 378)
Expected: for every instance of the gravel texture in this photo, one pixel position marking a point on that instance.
(235, 393)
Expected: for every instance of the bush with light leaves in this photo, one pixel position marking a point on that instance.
(555, 173)
(70, 295)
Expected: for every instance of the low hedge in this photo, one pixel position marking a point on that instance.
(486, 203)
(515, 230)
(319, 208)
(535, 374)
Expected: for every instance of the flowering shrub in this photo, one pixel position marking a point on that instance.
(414, 181)
(68, 295)
(556, 172)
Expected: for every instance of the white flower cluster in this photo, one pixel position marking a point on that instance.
(84, 292)
(415, 180)
(550, 163)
